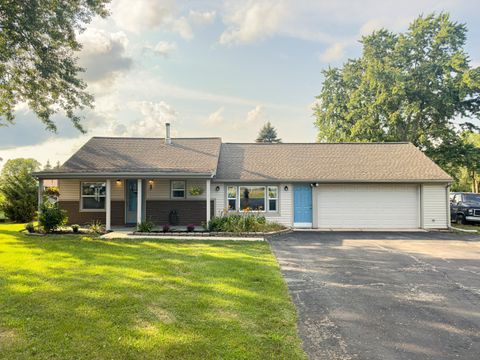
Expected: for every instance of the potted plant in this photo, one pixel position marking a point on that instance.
(166, 228)
(195, 190)
(75, 228)
(190, 227)
(30, 228)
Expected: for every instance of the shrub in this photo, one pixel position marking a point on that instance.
(145, 226)
(30, 228)
(75, 228)
(97, 227)
(166, 228)
(245, 222)
(190, 227)
(19, 197)
(51, 217)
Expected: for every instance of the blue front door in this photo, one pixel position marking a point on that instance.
(302, 204)
(131, 201)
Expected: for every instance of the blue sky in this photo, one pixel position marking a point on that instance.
(217, 68)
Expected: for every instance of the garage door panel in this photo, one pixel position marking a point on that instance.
(367, 206)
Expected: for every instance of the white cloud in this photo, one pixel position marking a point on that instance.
(163, 48)
(182, 27)
(255, 115)
(143, 14)
(216, 118)
(334, 52)
(103, 55)
(252, 20)
(202, 17)
(146, 15)
(154, 115)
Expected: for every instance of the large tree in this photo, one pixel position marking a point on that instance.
(38, 65)
(268, 134)
(19, 189)
(417, 86)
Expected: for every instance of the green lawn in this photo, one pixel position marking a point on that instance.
(66, 297)
(467, 227)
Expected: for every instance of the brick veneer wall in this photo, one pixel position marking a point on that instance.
(75, 216)
(189, 211)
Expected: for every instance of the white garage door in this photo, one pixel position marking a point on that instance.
(368, 206)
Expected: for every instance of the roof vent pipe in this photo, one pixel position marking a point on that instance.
(168, 139)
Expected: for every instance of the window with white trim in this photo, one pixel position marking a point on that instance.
(93, 195)
(252, 198)
(232, 198)
(178, 189)
(272, 198)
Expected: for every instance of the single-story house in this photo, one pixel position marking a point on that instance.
(123, 181)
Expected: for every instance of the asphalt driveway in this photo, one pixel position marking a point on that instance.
(384, 295)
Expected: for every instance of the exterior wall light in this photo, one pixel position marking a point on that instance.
(285, 188)
(150, 184)
(217, 188)
(119, 182)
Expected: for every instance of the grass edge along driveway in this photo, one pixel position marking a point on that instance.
(81, 297)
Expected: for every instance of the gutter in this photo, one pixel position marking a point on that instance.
(123, 175)
(336, 181)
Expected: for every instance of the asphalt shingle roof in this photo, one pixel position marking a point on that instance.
(326, 162)
(316, 162)
(130, 155)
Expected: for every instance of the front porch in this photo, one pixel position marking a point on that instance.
(126, 202)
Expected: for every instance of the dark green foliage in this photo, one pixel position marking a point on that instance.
(51, 217)
(15, 166)
(19, 189)
(410, 87)
(30, 227)
(246, 222)
(38, 63)
(145, 226)
(268, 134)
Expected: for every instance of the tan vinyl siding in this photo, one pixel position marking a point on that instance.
(69, 189)
(435, 214)
(284, 215)
(218, 197)
(285, 206)
(160, 190)
(118, 190)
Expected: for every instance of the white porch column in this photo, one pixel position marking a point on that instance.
(40, 194)
(207, 193)
(108, 206)
(139, 201)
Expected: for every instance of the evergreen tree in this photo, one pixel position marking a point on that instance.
(47, 166)
(268, 134)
